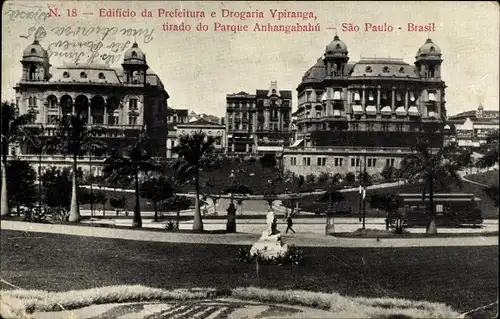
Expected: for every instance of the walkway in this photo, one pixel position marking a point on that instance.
(299, 239)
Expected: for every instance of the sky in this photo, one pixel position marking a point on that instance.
(198, 69)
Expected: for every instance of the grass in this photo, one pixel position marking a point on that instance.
(486, 178)
(461, 277)
(22, 302)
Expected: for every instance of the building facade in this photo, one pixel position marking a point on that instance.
(125, 102)
(211, 129)
(259, 123)
(470, 128)
(367, 113)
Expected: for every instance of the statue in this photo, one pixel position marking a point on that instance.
(270, 244)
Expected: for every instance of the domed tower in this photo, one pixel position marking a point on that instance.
(335, 58)
(428, 60)
(35, 63)
(479, 112)
(135, 65)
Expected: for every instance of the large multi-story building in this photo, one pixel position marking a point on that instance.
(124, 101)
(259, 123)
(367, 113)
(471, 128)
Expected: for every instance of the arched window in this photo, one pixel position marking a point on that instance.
(65, 75)
(338, 46)
(83, 75)
(432, 49)
(101, 76)
(386, 69)
(401, 70)
(134, 54)
(33, 51)
(368, 69)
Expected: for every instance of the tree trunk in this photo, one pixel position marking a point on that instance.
(156, 211)
(197, 222)
(74, 213)
(178, 216)
(431, 227)
(5, 210)
(137, 222)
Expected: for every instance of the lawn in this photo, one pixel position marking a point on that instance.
(486, 178)
(462, 277)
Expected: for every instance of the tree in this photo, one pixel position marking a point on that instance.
(56, 188)
(12, 131)
(138, 161)
(491, 154)
(156, 189)
(195, 152)
(21, 179)
(74, 137)
(350, 177)
(433, 169)
(493, 192)
(176, 203)
(118, 203)
(390, 204)
(268, 161)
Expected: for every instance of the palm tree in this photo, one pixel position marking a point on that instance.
(12, 130)
(74, 138)
(439, 168)
(130, 168)
(194, 152)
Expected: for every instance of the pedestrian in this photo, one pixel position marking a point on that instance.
(289, 223)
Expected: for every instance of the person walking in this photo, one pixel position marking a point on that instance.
(289, 223)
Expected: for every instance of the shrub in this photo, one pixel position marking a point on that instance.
(294, 256)
(310, 179)
(58, 214)
(350, 177)
(35, 215)
(171, 225)
(323, 178)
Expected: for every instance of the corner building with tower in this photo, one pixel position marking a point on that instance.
(353, 115)
(125, 102)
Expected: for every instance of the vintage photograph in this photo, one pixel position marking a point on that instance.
(249, 159)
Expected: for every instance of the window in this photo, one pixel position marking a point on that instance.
(308, 96)
(355, 126)
(385, 69)
(399, 127)
(339, 161)
(101, 76)
(321, 161)
(132, 120)
(306, 161)
(34, 101)
(134, 54)
(385, 127)
(83, 75)
(133, 103)
(33, 51)
(65, 75)
(370, 127)
(274, 91)
(401, 70)
(293, 161)
(355, 161)
(112, 119)
(372, 162)
(433, 49)
(389, 162)
(368, 69)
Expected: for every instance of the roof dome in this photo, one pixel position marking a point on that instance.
(336, 46)
(35, 53)
(480, 107)
(429, 48)
(134, 55)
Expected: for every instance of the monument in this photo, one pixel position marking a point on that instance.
(270, 244)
